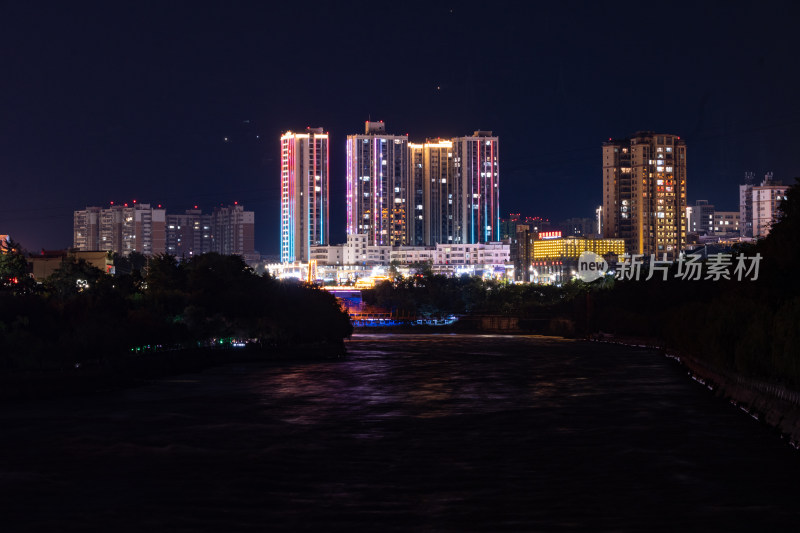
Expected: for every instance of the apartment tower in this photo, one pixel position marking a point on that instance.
(644, 193)
(378, 187)
(476, 184)
(435, 206)
(188, 234)
(120, 229)
(305, 183)
(232, 231)
(86, 229)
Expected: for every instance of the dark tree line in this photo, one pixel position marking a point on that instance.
(428, 294)
(749, 327)
(82, 315)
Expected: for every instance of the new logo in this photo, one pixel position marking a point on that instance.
(591, 267)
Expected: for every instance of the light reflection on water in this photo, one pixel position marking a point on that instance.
(416, 432)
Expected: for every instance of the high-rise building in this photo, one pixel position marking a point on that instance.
(188, 234)
(416, 223)
(305, 183)
(150, 231)
(644, 193)
(121, 229)
(406, 194)
(766, 204)
(149, 227)
(232, 231)
(86, 229)
(476, 185)
(378, 189)
(746, 205)
(432, 175)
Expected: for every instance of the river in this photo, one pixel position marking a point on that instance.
(407, 433)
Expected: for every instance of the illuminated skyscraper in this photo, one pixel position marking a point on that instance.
(442, 191)
(377, 186)
(644, 193)
(476, 188)
(432, 169)
(304, 193)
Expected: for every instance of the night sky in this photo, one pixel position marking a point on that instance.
(121, 101)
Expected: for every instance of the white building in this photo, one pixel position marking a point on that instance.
(327, 255)
(356, 252)
(766, 201)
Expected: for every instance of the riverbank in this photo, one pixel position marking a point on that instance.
(771, 404)
(133, 370)
(503, 324)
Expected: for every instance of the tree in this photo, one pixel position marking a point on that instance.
(164, 273)
(14, 276)
(72, 277)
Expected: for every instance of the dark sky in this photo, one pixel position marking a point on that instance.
(121, 101)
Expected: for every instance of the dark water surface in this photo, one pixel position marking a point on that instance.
(410, 433)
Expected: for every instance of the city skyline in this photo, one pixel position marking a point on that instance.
(181, 107)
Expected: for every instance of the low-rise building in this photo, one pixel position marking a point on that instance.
(554, 258)
(726, 222)
(45, 264)
(356, 255)
(327, 254)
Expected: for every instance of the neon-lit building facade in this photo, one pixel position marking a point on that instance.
(305, 182)
(644, 193)
(378, 186)
(476, 182)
